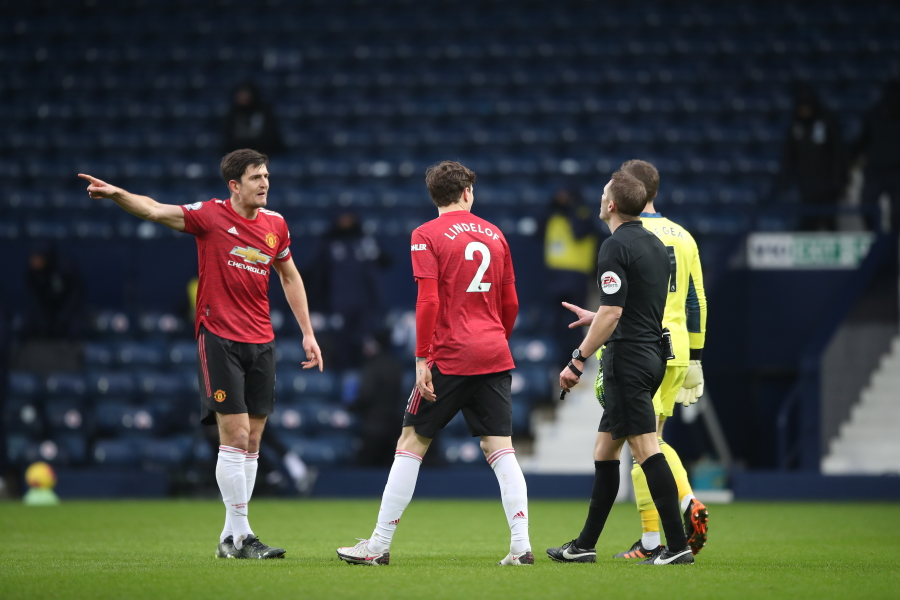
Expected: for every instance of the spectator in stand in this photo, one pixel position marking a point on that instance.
(380, 403)
(251, 123)
(814, 159)
(56, 294)
(570, 258)
(879, 149)
(344, 272)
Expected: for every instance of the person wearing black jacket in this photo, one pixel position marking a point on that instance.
(814, 158)
(251, 123)
(879, 145)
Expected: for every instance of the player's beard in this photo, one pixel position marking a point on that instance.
(257, 201)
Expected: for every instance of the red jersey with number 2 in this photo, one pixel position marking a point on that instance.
(236, 256)
(470, 259)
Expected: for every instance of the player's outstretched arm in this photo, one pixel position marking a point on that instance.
(295, 292)
(140, 206)
(585, 317)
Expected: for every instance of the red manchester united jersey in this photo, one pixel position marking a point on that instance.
(236, 256)
(471, 262)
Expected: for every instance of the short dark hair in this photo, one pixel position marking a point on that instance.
(628, 193)
(645, 173)
(446, 181)
(235, 164)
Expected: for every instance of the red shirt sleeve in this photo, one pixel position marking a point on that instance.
(427, 306)
(284, 244)
(509, 276)
(424, 260)
(198, 217)
(509, 307)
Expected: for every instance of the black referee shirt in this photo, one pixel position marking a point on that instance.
(633, 272)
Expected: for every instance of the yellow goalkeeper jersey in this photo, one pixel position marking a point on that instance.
(685, 314)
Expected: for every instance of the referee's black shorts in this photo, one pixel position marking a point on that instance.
(485, 401)
(235, 377)
(632, 373)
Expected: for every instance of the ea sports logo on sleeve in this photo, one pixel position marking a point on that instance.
(610, 283)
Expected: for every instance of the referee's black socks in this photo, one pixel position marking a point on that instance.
(665, 496)
(603, 496)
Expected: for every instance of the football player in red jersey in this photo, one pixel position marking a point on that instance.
(465, 313)
(238, 242)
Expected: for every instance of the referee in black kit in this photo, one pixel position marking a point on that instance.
(633, 274)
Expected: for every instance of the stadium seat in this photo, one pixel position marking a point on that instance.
(98, 354)
(139, 354)
(110, 383)
(65, 384)
(118, 416)
(183, 352)
(163, 383)
(461, 451)
(24, 384)
(23, 415)
(116, 452)
(322, 451)
(291, 417)
(165, 452)
(309, 383)
(66, 415)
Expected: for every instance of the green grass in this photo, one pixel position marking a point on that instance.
(443, 549)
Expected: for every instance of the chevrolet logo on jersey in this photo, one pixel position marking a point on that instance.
(251, 255)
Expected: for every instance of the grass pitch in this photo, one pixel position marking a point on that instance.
(443, 549)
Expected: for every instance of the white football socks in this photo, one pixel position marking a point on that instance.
(250, 467)
(398, 491)
(686, 501)
(650, 540)
(514, 493)
(251, 464)
(232, 480)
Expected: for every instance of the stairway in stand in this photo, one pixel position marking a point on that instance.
(868, 442)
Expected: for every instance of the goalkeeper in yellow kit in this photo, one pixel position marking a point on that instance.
(685, 317)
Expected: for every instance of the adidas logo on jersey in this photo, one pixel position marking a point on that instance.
(519, 515)
(394, 522)
(233, 230)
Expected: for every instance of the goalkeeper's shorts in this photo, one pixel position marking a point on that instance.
(664, 399)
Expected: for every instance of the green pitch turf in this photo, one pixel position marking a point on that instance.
(443, 549)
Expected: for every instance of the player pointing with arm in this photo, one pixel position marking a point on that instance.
(685, 317)
(238, 242)
(465, 313)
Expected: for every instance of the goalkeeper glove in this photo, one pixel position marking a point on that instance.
(598, 383)
(692, 388)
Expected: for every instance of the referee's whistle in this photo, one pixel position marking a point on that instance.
(562, 394)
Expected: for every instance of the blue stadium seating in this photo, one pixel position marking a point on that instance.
(529, 99)
(116, 452)
(67, 415)
(23, 415)
(65, 384)
(322, 451)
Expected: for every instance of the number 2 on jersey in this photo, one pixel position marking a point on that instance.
(477, 285)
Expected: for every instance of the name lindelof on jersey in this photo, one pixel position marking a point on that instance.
(458, 228)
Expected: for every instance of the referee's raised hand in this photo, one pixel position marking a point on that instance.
(313, 354)
(585, 316)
